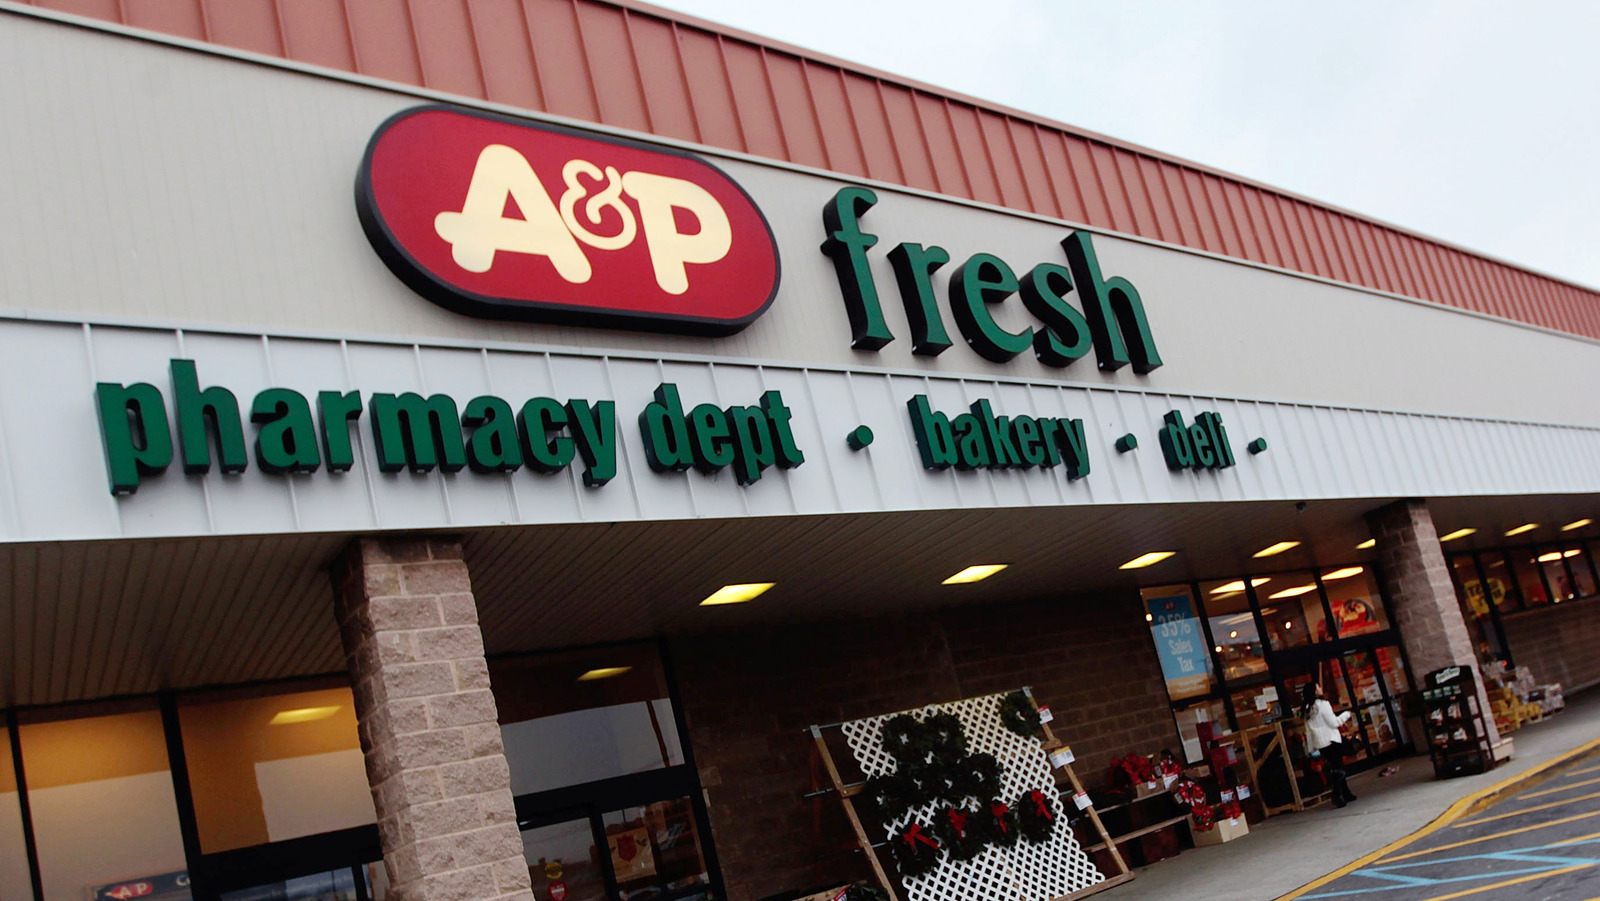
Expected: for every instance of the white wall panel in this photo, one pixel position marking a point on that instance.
(171, 187)
(55, 474)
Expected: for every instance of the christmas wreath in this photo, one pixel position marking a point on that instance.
(914, 851)
(998, 823)
(1203, 817)
(890, 796)
(957, 830)
(1036, 816)
(1188, 793)
(864, 891)
(1018, 714)
(974, 776)
(913, 743)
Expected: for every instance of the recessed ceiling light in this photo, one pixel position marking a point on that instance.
(736, 594)
(1370, 542)
(1576, 525)
(1149, 559)
(1525, 527)
(302, 715)
(1237, 586)
(1278, 548)
(1572, 553)
(1345, 573)
(975, 573)
(1295, 591)
(1458, 533)
(1551, 557)
(604, 672)
(1149, 617)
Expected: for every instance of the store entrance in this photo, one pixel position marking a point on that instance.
(607, 795)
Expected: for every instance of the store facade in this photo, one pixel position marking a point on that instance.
(375, 454)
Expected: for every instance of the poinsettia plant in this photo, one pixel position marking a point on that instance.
(1204, 817)
(1229, 810)
(1188, 793)
(1132, 769)
(1169, 765)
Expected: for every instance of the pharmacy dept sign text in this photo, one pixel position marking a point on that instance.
(500, 218)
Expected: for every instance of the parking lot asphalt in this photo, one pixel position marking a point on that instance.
(1543, 842)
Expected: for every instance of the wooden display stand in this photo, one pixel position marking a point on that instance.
(823, 755)
(1258, 764)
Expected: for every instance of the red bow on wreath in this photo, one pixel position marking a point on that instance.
(958, 822)
(1037, 797)
(915, 834)
(999, 809)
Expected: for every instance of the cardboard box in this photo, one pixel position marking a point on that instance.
(1224, 831)
(1146, 789)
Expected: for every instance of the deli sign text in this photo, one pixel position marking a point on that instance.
(501, 218)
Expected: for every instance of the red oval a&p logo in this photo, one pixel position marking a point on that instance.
(502, 218)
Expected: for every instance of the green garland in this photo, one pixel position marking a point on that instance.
(1018, 714)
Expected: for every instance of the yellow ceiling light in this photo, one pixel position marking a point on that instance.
(1525, 527)
(1551, 557)
(1345, 573)
(1458, 533)
(1150, 559)
(975, 573)
(1149, 617)
(736, 594)
(1369, 543)
(604, 672)
(1237, 586)
(1278, 548)
(1572, 553)
(302, 715)
(1576, 525)
(1295, 591)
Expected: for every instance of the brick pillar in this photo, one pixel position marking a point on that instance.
(428, 723)
(1425, 608)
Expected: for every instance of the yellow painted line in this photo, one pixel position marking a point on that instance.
(1550, 791)
(1573, 841)
(1517, 881)
(1534, 808)
(1484, 838)
(1587, 769)
(1476, 801)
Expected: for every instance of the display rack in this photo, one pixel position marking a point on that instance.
(1458, 738)
(824, 765)
(1275, 754)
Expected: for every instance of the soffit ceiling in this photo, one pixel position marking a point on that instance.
(88, 620)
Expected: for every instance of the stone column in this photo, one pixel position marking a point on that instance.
(428, 722)
(1425, 608)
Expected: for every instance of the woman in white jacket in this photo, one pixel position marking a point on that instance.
(1323, 738)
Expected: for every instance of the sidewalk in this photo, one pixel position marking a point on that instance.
(1287, 851)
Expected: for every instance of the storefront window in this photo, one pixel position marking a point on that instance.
(1552, 561)
(15, 881)
(335, 885)
(563, 861)
(1353, 597)
(1233, 629)
(1379, 727)
(267, 767)
(1530, 582)
(582, 716)
(103, 810)
(1256, 705)
(655, 851)
(1393, 670)
(1470, 589)
(1582, 574)
(1291, 607)
(1180, 642)
(1188, 720)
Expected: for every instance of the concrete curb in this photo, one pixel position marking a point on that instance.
(1463, 807)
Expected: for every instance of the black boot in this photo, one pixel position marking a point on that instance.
(1341, 788)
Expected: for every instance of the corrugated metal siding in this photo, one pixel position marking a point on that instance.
(639, 67)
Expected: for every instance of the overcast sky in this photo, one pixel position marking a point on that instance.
(1474, 122)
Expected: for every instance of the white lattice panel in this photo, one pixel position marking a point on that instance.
(1022, 872)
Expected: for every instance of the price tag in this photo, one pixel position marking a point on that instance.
(1168, 779)
(1082, 800)
(1045, 715)
(1227, 795)
(1244, 792)
(1234, 822)
(1061, 758)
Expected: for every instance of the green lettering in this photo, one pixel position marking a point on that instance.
(847, 246)
(1065, 337)
(416, 431)
(133, 428)
(713, 447)
(539, 417)
(596, 436)
(492, 446)
(287, 438)
(215, 410)
(336, 412)
(913, 270)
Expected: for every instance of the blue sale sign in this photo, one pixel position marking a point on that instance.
(1180, 645)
